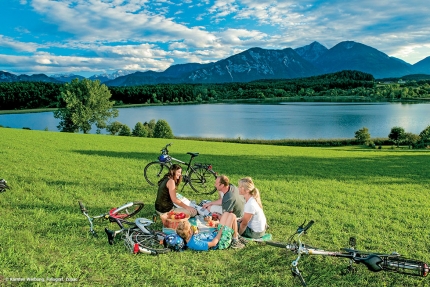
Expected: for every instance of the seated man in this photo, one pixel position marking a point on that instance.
(225, 236)
(229, 198)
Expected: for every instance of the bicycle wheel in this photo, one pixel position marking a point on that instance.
(127, 210)
(202, 180)
(405, 266)
(154, 171)
(152, 242)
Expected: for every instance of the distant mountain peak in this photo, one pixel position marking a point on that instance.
(349, 44)
(312, 51)
(257, 64)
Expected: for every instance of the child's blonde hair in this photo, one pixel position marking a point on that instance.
(184, 230)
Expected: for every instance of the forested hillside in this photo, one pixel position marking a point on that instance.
(336, 86)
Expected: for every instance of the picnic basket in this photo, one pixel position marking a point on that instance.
(172, 223)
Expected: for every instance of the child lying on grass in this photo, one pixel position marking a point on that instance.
(225, 236)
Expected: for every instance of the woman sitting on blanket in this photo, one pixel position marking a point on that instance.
(225, 236)
(253, 224)
(166, 196)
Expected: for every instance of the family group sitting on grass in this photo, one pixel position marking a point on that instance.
(239, 208)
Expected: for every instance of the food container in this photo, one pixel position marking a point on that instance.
(172, 223)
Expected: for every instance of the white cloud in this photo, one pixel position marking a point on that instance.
(8, 42)
(241, 37)
(135, 34)
(102, 21)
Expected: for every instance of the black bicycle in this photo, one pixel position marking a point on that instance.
(3, 185)
(137, 235)
(375, 262)
(200, 176)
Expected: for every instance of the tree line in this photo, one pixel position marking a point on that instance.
(397, 136)
(336, 86)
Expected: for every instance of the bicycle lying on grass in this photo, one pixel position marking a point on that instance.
(373, 261)
(3, 185)
(137, 236)
(199, 176)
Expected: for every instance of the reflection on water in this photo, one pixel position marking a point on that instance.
(260, 121)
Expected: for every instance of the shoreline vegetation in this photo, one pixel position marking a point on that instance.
(332, 142)
(335, 142)
(343, 99)
(340, 87)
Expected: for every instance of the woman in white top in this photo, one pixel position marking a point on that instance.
(253, 223)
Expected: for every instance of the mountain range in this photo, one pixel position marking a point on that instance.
(258, 63)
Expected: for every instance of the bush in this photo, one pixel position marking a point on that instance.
(425, 135)
(124, 131)
(363, 136)
(162, 130)
(140, 130)
(397, 135)
(114, 127)
(150, 127)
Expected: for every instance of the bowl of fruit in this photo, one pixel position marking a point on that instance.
(172, 218)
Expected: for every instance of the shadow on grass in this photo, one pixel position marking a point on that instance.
(406, 169)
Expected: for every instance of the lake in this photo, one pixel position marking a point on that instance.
(286, 120)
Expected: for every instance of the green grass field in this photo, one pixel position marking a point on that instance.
(378, 196)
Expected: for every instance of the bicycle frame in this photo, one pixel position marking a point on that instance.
(373, 261)
(113, 215)
(196, 175)
(171, 159)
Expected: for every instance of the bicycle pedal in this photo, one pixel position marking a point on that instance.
(352, 242)
(111, 235)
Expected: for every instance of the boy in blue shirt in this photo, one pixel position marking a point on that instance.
(225, 236)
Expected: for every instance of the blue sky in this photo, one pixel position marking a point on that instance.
(87, 37)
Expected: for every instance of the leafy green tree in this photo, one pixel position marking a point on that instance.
(140, 130)
(397, 135)
(411, 139)
(162, 130)
(150, 127)
(114, 128)
(424, 138)
(363, 135)
(82, 104)
(124, 131)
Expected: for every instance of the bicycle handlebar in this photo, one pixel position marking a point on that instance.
(165, 150)
(302, 229)
(81, 205)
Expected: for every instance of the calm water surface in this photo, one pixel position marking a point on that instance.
(260, 121)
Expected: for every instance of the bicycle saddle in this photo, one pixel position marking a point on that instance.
(373, 262)
(193, 154)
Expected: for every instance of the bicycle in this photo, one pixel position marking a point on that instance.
(375, 262)
(3, 185)
(137, 236)
(200, 176)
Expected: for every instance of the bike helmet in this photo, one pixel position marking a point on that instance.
(174, 242)
(163, 158)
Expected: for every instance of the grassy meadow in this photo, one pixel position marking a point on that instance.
(378, 196)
